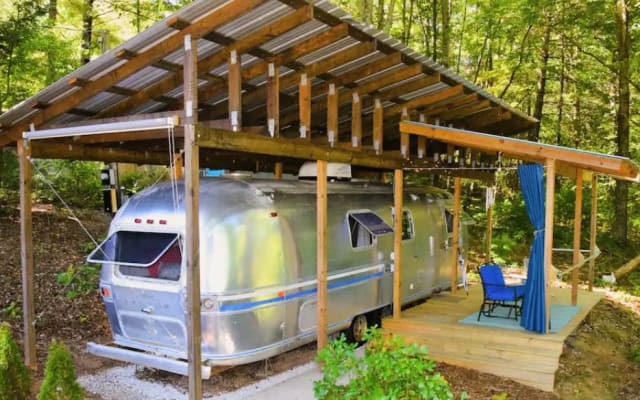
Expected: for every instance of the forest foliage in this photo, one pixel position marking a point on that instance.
(573, 64)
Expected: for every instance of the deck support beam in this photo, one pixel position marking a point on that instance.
(489, 230)
(26, 254)
(457, 192)
(321, 198)
(192, 206)
(548, 236)
(398, 183)
(593, 229)
(577, 229)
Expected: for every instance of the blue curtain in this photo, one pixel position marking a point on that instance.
(533, 308)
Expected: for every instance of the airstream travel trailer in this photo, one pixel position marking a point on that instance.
(258, 266)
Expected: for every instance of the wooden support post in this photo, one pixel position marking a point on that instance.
(332, 114)
(356, 120)
(235, 91)
(398, 190)
(378, 126)
(178, 167)
(277, 173)
(322, 252)
(304, 105)
(593, 228)
(26, 255)
(457, 194)
(489, 229)
(548, 236)
(422, 141)
(273, 100)
(192, 205)
(404, 137)
(577, 228)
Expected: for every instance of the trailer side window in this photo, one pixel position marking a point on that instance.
(407, 224)
(364, 226)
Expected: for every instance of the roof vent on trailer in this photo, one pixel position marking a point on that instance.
(335, 171)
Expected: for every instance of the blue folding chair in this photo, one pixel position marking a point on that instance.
(498, 294)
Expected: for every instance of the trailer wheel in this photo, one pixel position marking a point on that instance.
(358, 328)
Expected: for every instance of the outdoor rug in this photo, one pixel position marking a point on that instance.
(561, 314)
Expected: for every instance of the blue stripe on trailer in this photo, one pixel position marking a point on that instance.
(302, 293)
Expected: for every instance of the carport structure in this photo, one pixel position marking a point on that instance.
(255, 84)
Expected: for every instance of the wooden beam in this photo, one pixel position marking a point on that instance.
(548, 237)
(577, 227)
(273, 100)
(321, 199)
(26, 255)
(449, 104)
(593, 229)
(155, 134)
(304, 106)
(489, 229)
(235, 91)
(398, 194)
(428, 99)
(422, 141)
(277, 172)
(293, 148)
(332, 114)
(192, 211)
(178, 166)
(356, 119)
(486, 118)
(44, 149)
(140, 60)
(404, 137)
(618, 167)
(464, 111)
(378, 113)
(457, 194)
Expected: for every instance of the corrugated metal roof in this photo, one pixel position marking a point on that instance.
(237, 28)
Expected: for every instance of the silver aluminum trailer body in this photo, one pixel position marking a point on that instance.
(258, 264)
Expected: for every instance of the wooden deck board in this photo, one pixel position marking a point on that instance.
(523, 356)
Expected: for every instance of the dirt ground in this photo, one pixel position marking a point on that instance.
(596, 363)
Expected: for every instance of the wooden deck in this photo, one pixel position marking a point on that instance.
(526, 357)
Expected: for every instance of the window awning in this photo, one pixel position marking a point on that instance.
(136, 249)
(372, 222)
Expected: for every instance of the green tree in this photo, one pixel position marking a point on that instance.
(60, 376)
(15, 382)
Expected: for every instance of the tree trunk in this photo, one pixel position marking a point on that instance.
(51, 66)
(87, 25)
(534, 134)
(623, 42)
(434, 27)
(445, 43)
(464, 20)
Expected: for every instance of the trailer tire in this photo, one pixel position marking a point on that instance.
(357, 329)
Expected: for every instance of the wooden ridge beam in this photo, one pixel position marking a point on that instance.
(293, 148)
(244, 44)
(138, 61)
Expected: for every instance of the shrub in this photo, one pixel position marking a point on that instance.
(60, 376)
(390, 369)
(635, 354)
(15, 382)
